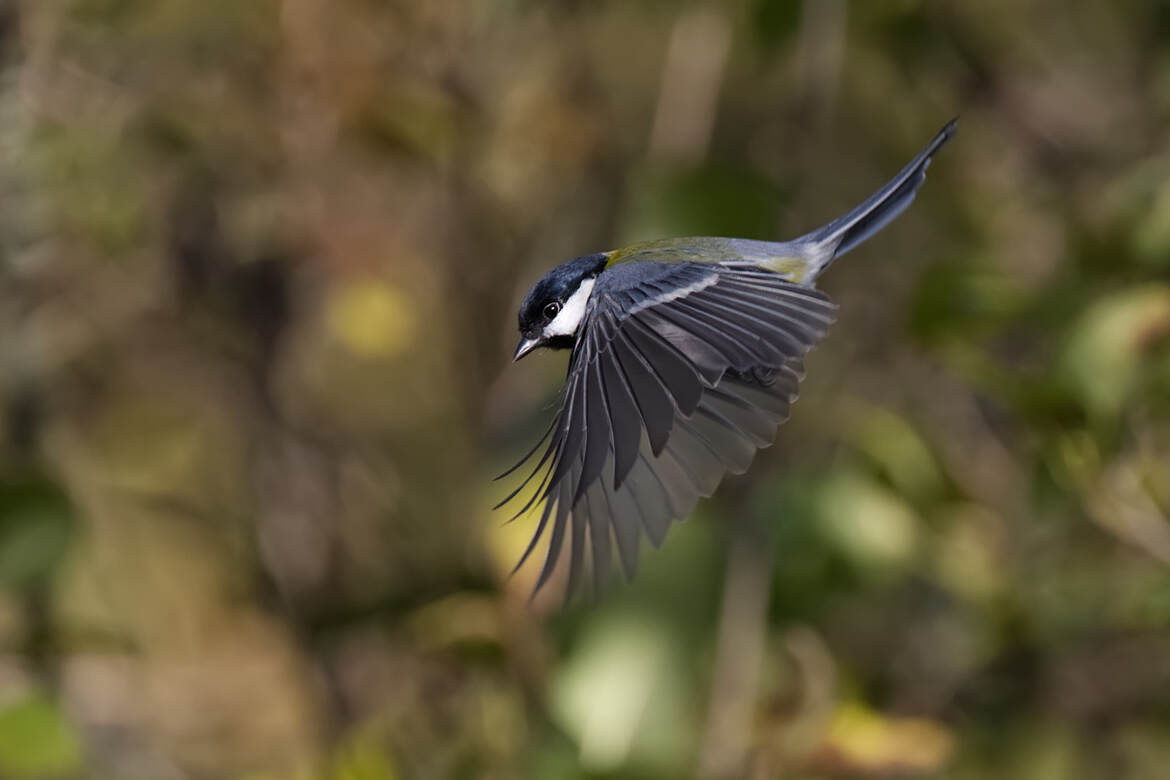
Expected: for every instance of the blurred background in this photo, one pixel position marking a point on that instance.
(259, 267)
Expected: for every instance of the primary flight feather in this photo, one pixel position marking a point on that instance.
(686, 356)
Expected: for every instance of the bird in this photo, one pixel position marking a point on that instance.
(686, 356)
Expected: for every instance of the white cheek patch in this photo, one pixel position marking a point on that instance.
(569, 318)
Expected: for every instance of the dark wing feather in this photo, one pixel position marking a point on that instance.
(677, 366)
(652, 397)
(627, 532)
(626, 425)
(598, 429)
(681, 372)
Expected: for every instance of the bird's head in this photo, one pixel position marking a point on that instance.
(554, 307)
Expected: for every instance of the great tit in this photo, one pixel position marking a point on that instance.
(686, 356)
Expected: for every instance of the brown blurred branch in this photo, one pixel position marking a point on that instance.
(739, 651)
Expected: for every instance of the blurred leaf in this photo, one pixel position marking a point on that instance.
(36, 741)
(869, 523)
(1103, 358)
(417, 120)
(461, 618)
(1144, 748)
(362, 760)
(961, 300)
(609, 693)
(964, 558)
(36, 525)
(370, 318)
(604, 690)
(706, 201)
(109, 12)
(806, 571)
(777, 21)
(893, 443)
(91, 183)
(861, 740)
(1152, 234)
(1044, 751)
(1138, 203)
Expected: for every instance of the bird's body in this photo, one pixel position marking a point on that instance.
(686, 357)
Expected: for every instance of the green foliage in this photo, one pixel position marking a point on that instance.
(36, 741)
(36, 526)
(776, 21)
(362, 761)
(703, 201)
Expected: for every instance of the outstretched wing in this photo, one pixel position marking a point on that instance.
(680, 373)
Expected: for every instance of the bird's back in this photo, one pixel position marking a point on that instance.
(785, 258)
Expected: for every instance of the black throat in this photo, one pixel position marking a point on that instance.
(561, 342)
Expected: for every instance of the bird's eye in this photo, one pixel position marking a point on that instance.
(552, 310)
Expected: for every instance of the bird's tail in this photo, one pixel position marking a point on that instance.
(827, 243)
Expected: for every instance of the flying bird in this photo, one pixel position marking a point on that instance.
(686, 357)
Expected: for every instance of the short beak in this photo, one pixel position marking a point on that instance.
(526, 346)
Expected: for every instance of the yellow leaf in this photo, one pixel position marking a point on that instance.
(867, 741)
(370, 318)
